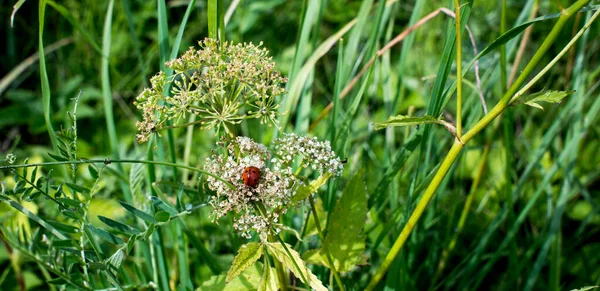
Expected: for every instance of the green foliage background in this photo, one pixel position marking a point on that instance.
(534, 217)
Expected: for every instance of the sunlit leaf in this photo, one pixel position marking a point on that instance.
(247, 280)
(295, 264)
(545, 96)
(247, 255)
(345, 240)
(312, 187)
(268, 281)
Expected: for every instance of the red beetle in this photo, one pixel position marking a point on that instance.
(251, 176)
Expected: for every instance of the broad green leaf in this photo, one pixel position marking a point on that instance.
(247, 255)
(402, 120)
(345, 240)
(268, 281)
(162, 216)
(141, 214)
(547, 96)
(295, 264)
(105, 235)
(312, 187)
(247, 280)
(119, 226)
(315, 257)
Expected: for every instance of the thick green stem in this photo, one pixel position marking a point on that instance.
(478, 127)
(414, 217)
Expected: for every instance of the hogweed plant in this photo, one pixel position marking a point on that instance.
(222, 84)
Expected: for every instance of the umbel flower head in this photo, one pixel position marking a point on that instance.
(258, 208)
(221, 83)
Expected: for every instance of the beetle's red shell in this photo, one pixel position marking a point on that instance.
(251, 176)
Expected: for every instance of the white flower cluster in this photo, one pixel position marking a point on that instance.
(258, 208)
(316, 154)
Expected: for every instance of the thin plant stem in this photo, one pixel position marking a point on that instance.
(478, 127)
(458, 70)
(523, 44)
(125, 161)
(327, 254)
(503, 47)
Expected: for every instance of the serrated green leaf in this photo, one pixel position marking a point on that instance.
(268, 281)
(105, 235)
(345, 240)
(312, 187)
(247, 255)
(162, 216)
(546, 96)
(141, 214)
(247, 280)
(119, 226)
(280, 254)
(402, 120)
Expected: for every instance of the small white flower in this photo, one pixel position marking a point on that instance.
(11, 158)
